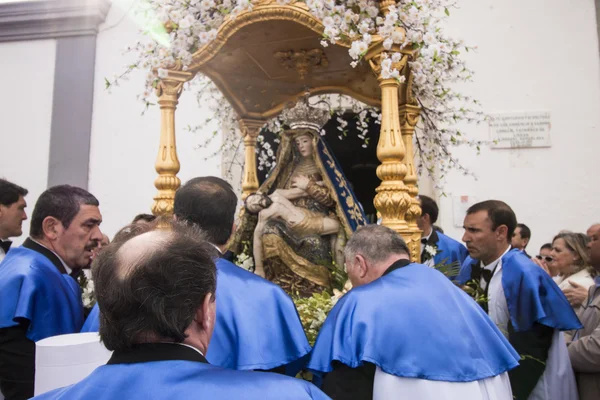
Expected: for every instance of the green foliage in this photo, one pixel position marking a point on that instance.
(313, 312)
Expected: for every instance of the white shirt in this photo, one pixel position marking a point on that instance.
(69, 270)
(497, 305)
(427, 239)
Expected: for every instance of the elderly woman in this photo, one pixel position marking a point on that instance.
(571, 259)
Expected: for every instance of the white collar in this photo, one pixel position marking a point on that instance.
(494, 263)
(428, 236)
(216, 247)
(69, 270)
(191, 347)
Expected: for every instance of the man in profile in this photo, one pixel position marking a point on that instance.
(437, 248)
(39, 297)
(440, 345)
(523, 302)
(156, 291)
(520, 238)
(12, 213)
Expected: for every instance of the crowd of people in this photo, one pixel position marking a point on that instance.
(183, 321)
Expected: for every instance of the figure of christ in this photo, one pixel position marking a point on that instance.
(279, 207)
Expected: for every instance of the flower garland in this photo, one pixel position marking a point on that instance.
(409, 24)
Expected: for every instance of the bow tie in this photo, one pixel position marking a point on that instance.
(5, 245)
(424, 240)
(479, 272)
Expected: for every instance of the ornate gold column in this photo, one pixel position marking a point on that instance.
(395, 198)
(392, 199)
(250, 129)
(167, 163)
(409, 116)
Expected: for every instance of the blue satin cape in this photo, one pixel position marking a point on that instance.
(531, 295)
(92, 323)
(449, 250)
(257, 324)
(413, 322)
(176, 379)
(33, 289)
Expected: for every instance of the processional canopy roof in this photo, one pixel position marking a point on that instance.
(268, 56)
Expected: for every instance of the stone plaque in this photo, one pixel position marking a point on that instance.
(517, 130)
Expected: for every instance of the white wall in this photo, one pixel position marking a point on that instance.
(124, 143)
(534, 55)
(27, 69)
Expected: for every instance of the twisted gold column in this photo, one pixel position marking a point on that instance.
(167, 163)
(250, 129)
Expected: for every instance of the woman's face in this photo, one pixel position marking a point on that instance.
(304, 145)
(563, 257)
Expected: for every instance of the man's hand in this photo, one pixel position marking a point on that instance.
(576, 294)
(541, 264)
(300, 182)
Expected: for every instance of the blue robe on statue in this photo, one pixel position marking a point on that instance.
(172, 371)
(413, 323)
(257, 327)
(531, 294)
(33, 289)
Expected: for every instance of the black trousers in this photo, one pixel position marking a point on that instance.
(17, 363)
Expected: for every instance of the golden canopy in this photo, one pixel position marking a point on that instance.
(266, 58)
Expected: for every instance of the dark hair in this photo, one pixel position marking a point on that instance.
(525, 231)
(499, 213)
(375, 243)
(10, 193)
(262, 196)
(429, 206)
(143, 217)
(157, 294)
(61, 202)
(546, 246)
(210, 203)
(437, 228)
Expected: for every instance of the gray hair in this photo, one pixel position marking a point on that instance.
(375, 243)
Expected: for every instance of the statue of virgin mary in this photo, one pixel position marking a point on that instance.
(297, 224)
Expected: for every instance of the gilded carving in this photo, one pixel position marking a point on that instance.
(302, 60)
(167, 163)
(250, 129)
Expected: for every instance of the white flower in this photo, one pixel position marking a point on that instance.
(387, 44)
(432, 251)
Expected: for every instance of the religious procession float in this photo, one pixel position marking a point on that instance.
(300, 84)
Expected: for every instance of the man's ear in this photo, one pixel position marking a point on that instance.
(502, 231)
(205, 315)
(52, 228)
(361, 265)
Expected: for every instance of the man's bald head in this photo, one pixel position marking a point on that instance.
(151, 282)
(593, 229)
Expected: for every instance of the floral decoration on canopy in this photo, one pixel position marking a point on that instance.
(175, 29)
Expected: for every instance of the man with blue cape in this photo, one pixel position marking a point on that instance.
(437, 248)
(522, 300)
(257, 326)
(156, 293)
(39, 297)
(407, 332)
